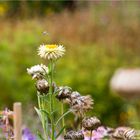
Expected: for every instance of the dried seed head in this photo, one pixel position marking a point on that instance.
(91, 123)
(42, 86)
(73, 135)
(124, 133)
(81, 105)
(64, 93)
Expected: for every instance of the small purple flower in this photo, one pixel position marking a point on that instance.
(27, 135)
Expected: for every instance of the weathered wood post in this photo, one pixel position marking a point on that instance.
(17, 121)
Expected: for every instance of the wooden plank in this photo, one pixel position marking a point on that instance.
(17, 108)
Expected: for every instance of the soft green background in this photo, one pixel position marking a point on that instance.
(99, 37)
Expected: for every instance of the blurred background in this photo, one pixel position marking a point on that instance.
(100, 36)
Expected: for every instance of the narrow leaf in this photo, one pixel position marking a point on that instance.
(46, 112)
(40, 136)
(60, 132)
(53, 112)
(38, 112)
(63, 116)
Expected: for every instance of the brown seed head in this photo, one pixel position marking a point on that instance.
(91, 123)
(42, 86)
(81, 105)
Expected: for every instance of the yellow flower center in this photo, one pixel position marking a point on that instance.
(51, 46)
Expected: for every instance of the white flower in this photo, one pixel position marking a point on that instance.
(38, 71)
(51, 51)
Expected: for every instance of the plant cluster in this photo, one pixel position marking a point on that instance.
(48, 92)
(77, 73)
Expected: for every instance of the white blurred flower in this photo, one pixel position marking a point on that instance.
(38, 71)
(51, 51)
(125, 133)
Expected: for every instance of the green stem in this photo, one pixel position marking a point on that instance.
(51, 99)
(44, 120)
(91, 135)
(39, 104)
(63, 119)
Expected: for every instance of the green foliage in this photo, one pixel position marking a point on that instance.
(97, 44)
(87, 69)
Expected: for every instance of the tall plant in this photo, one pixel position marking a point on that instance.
(48, 92)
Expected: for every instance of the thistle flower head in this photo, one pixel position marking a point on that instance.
(52, 52)
(38, 71)
(91, 123)
(64, 93)
(73, 135)
(81, 105)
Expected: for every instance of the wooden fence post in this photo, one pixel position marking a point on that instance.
(17, 108)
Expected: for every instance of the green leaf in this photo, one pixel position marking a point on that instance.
(60, 132)
(46, 112)
(42, 95)
(40, 136)
(38, 112)
(63, 116)
(57, 91)
(53, 112)
(46, 100)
